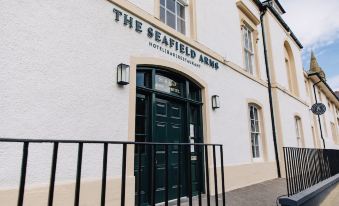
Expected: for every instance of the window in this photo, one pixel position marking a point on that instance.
(248, 48)
(315, 143)
(319, 96)
(334, 133)
(298, 131)
(168, 85)
(306, 87)
(288, 70)
(291, 71)
(255, 132)
(172, 13)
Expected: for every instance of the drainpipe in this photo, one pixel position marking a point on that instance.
(316, 101)
(263, 12)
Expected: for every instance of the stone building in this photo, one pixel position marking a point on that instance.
(169, 71)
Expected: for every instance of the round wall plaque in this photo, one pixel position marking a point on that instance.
(318, 108)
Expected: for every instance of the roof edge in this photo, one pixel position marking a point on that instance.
(264, 5)
(283, 23)
(324, 82)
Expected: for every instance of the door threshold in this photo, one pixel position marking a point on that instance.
(174, 201)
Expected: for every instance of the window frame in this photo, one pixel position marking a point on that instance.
(298, 131)
(291, 73)
(289, 77)
(175, 13)
(248, 49)
(258, 132)
(334, 132)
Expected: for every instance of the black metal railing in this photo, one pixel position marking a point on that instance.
(307, 167)
(191, 159)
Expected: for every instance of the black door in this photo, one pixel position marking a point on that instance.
(168, 128)
(168, 110)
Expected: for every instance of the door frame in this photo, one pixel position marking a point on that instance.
(175, 68)
(190, 113)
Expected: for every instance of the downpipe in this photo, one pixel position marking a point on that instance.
(262, 14)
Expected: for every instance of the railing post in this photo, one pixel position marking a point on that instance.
(198, 170)
(179, 175)
(222, 175)
(123, 175)
(23, 174)
(286, 172)
(189, 175)
(315, 178)
(207, 176)
(215, 176)
(166, 175)
(53, 170)
(139, 174)
(104, 174)
(153, 185)
(78, 177)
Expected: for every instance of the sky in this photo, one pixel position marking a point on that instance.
(316, 24)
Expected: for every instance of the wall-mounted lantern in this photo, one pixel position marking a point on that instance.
(123, 74)
(215, 102)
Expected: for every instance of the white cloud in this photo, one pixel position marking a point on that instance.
(334, 82)
(315, 22)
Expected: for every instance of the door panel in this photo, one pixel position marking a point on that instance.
(169, 129)
(142, 135)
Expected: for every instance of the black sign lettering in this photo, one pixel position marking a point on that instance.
(166, 42)
(117, 14)
(138, 26)
(150, 33)
(171, 42)
(128, 21)
(157, 36)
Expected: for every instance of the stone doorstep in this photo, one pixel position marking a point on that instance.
(185, 202)
(304, 196)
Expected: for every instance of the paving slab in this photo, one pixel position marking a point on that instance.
(262, 194)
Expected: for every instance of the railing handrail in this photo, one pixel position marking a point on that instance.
(307, 148)
(99, 142)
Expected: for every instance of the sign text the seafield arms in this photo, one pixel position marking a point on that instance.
(166, 41)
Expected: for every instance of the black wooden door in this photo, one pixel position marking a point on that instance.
(168, 110)
(169, 127)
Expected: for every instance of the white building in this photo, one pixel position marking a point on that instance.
(58, 80)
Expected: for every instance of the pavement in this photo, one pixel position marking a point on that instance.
(262, 194)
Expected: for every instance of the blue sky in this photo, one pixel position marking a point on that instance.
(316, 24)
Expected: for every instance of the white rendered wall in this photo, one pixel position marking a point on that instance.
(289, 106)
(58, 81)
(220, 31)
(330, 116)
(146, 5)
(326, 120)
(278, 37)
